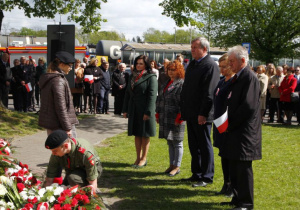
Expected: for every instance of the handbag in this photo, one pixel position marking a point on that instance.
(294, 97)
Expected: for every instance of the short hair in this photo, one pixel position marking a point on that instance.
(224, 57)
(122, 64)
(15, 60)
(239, 52)
(262, 67)
(204, 43)
(179, 69)
(279, 68)
(77, 60)
(291, 69)
(285, 66)
(146, 61)
(42, 59)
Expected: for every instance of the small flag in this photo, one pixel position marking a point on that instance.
(221, 123)
(28, 87)
(88, 78)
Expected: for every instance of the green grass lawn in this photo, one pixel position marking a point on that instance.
(276, 176)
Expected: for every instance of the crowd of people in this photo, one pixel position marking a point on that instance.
(174, 95)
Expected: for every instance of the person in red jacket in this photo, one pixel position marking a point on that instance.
(287, 86)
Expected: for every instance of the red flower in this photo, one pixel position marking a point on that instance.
(98, 207)
(33, 201)
(43, 206)
(74, 202)
(20, 187)
(78, 197)
(61, 199)
(67, 207)
(19, 179)
(66, 192)
(57, 207)
(85, 199)
(28, 206)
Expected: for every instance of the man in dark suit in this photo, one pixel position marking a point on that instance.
(201, 79)
(119, 84)
(297, 104)
(5, 79)
(242, 141)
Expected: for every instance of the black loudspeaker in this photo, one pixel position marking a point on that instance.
(61, 38)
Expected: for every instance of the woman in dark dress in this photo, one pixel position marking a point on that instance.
(220, 98)
(139, 107)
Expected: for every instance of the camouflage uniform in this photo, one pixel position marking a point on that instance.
(82, 164)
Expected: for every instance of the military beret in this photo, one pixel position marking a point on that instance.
(65, 57)
(55, 139)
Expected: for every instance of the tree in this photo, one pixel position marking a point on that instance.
(28, 32)
(182, 36)
(81, 11)
(271, 26)
(138, 39)
(94, 38)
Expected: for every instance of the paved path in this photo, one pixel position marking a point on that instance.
(31, 150)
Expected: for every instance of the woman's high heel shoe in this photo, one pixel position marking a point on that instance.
(138, 166)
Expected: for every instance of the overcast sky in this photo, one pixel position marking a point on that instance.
(130, 17)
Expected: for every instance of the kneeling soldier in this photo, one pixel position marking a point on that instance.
(78, 157)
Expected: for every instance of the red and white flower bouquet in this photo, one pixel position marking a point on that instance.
(20, 189)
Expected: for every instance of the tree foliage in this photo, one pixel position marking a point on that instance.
(95, 37)
(29, 32)
(271, 26)
(182, 36)
(83, 12)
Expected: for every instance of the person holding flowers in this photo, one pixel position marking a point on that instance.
(76, 156)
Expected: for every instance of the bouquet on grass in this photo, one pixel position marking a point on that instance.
(19, 189)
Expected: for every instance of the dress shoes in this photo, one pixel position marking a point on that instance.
(227, 204)
(201, 184)
(190, 179)
(241, 208)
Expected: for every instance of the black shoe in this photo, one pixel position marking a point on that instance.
(223, 190)
(190, 179)
(201, 184)
(227, 204)
(241, 208)
(229, 192)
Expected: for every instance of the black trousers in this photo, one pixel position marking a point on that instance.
(118, 104)
(4, 91)
(276, 107)
(241, 176)
(297, 110)
(202, 163)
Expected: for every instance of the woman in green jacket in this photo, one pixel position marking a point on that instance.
(139, 108)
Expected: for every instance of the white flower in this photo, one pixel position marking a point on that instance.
(42, 192)
(51, 199)
(23, 195)
(11, 205)
(6, 180)
(55, 185)
(58, 190)
(10, 171)
(3, 190)
(2, 203)
(49, 188)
